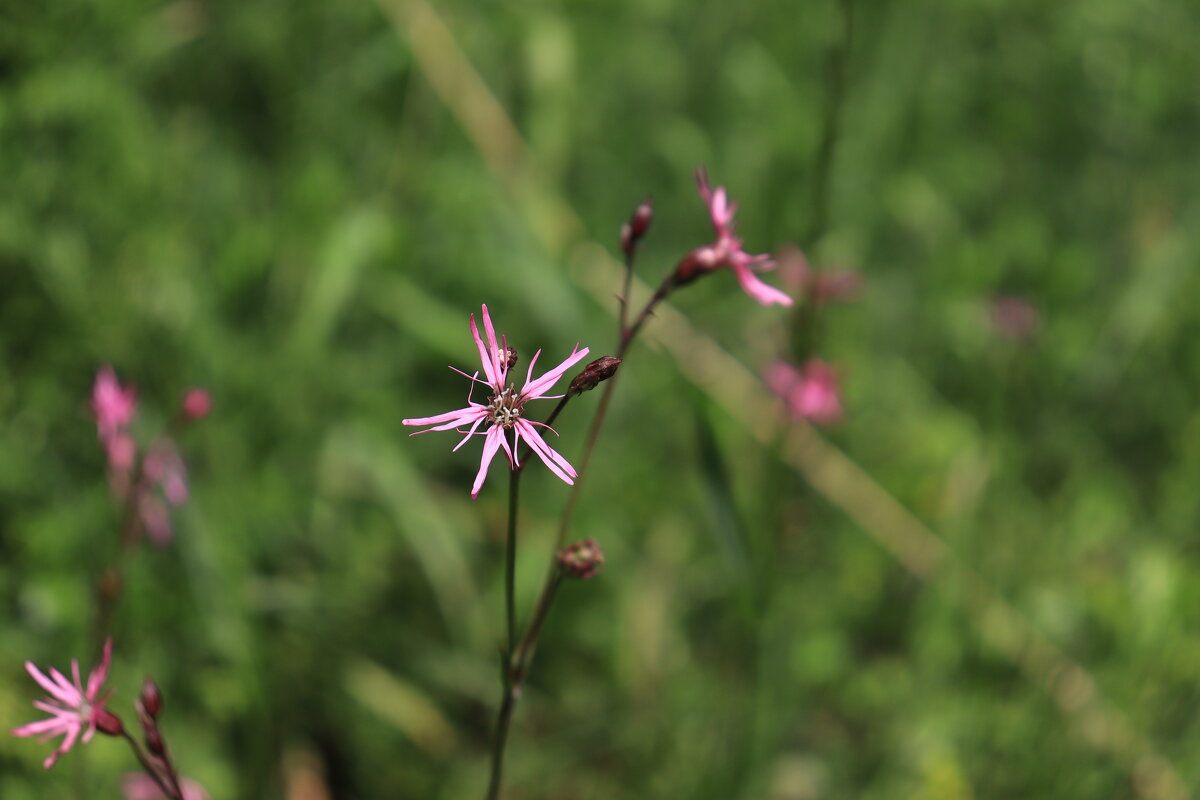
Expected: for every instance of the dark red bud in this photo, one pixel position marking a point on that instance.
(108, 722)
(510, 357)
(594, 374)
(154, 742)
(151, 698)
(582, 560)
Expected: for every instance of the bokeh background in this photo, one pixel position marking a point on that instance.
(983, 583)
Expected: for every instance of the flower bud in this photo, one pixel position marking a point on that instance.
(108, 722)
(151, 698)
(510, 357)
(635, 229)
(582, 560)
(196, 404)
(593, 374)
(154, 742)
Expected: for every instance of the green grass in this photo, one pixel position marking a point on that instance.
(281, 202)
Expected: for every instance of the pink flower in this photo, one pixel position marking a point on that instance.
(196, 404)
(820, 287)
(112, 404)
(72, 707)
(503, 411)
(165, 474)
(810, 392)
(140, 786)
(1014, 317)
(727, 250)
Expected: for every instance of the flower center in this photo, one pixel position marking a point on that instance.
(504, 409)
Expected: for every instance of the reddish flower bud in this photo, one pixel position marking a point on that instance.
(594, 374)
(582, 560)
(154, 742)
(196, 404)
(108, 722)
(510, 357)
(635, 229)
(151, 698)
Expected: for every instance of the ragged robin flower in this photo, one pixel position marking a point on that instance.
(727, 250)
(505, 407)
(74, 709)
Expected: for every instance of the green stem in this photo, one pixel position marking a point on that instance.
(520, 656)
(510, 560)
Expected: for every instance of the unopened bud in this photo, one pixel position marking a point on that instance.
(154, 742)
(510, 357)
(108, 722)
(700, 261)
(151, 698)
(636, 228)
(196, 404)
(594, 374)
(582, 560)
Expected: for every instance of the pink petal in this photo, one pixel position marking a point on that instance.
(553, 461)
(536, 389)
(490, 445)
(51, 688)
(457, 417)
(100, 673)
(470, 433)
(763, 293)
(485, 358)
(501, 369)
(54, 726)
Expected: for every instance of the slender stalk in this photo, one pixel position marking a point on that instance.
(510, 560)
(520, 656)
(169, 788)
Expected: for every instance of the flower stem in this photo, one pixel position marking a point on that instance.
(510, 560)
(520, 655)
(169, 788)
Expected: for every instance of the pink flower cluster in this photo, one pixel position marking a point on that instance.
(811, 392)
(162, 480)
(727, 250)
(73, 708)
(505, 407)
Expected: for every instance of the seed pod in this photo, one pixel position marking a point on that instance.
(594, 374)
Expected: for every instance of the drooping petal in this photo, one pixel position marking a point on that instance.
(553, 461)
(490, 445)
(543, 384)
(470, 433)
(762, 292)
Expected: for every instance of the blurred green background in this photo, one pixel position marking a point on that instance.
(298, 204)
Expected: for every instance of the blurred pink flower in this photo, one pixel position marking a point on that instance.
(163, 472)
(196, 404)
(810, 392)
(73, 708)
(819, 287)
(1014, 317)
(727, 250)
(112, 404)
(140, 786)
(504, 408)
